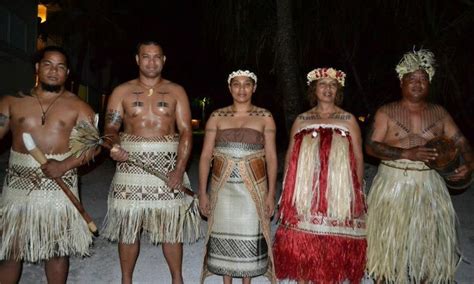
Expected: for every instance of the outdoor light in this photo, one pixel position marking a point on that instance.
(42, 12)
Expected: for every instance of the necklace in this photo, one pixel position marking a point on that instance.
(44, 112)
(150, 88)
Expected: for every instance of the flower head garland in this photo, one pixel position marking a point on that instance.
(416, 60)
(245, 73)
(332, 73)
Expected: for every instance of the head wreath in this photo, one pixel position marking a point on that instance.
(415, 60)
(245, 73)
(320, 73)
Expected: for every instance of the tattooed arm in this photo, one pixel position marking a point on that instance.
(453, 132)
(271, 161)
(376, 134)
(205, 163)
(113, 122)
(4, 116)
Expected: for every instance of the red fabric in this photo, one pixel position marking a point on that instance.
(318, 258)
(287, 210)
(325, 140)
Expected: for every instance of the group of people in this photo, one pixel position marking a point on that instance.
(327, 232)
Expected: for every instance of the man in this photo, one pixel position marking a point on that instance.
(39, 223)
(411, 221)
(157, 131)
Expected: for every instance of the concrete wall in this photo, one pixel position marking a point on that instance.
(18, 32)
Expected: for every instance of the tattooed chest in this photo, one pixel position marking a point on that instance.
(406, 125)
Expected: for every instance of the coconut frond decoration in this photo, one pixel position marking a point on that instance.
(85, 138)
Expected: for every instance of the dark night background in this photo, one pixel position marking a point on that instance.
(280, 40)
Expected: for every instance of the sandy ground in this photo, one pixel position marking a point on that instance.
(103, 264)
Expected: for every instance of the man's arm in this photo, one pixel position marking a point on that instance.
(183, 123)
(271, 162)
(114, 116)
(452, 131)
(113, 121)
(376, 134)
(4, 116)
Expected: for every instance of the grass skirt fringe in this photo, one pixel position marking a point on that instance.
(38, 221)
(40, 232)
(411, 225)
(174, 223)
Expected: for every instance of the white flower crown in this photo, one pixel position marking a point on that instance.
(320, 73)
(245, 73)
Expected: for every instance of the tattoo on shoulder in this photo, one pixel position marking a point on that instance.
(222, 112)
(307, 117)
(341, 116)
(113, 117)
(260, 112)
(210, 130)
(3, 120)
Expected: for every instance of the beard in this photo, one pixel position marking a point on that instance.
(50, 88)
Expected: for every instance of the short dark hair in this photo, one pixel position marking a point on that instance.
(147, 42)
(51, 48)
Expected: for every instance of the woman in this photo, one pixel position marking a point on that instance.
(321, 237)
(240, 143)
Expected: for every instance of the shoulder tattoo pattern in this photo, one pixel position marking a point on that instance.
(252, 112)
(113, 117)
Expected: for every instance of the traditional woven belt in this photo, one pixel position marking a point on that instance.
(404, 168)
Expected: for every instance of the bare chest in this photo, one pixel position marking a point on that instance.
(414, 128)
(141, 104)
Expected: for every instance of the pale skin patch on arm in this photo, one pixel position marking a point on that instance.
(3, 120)
(113, 117)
